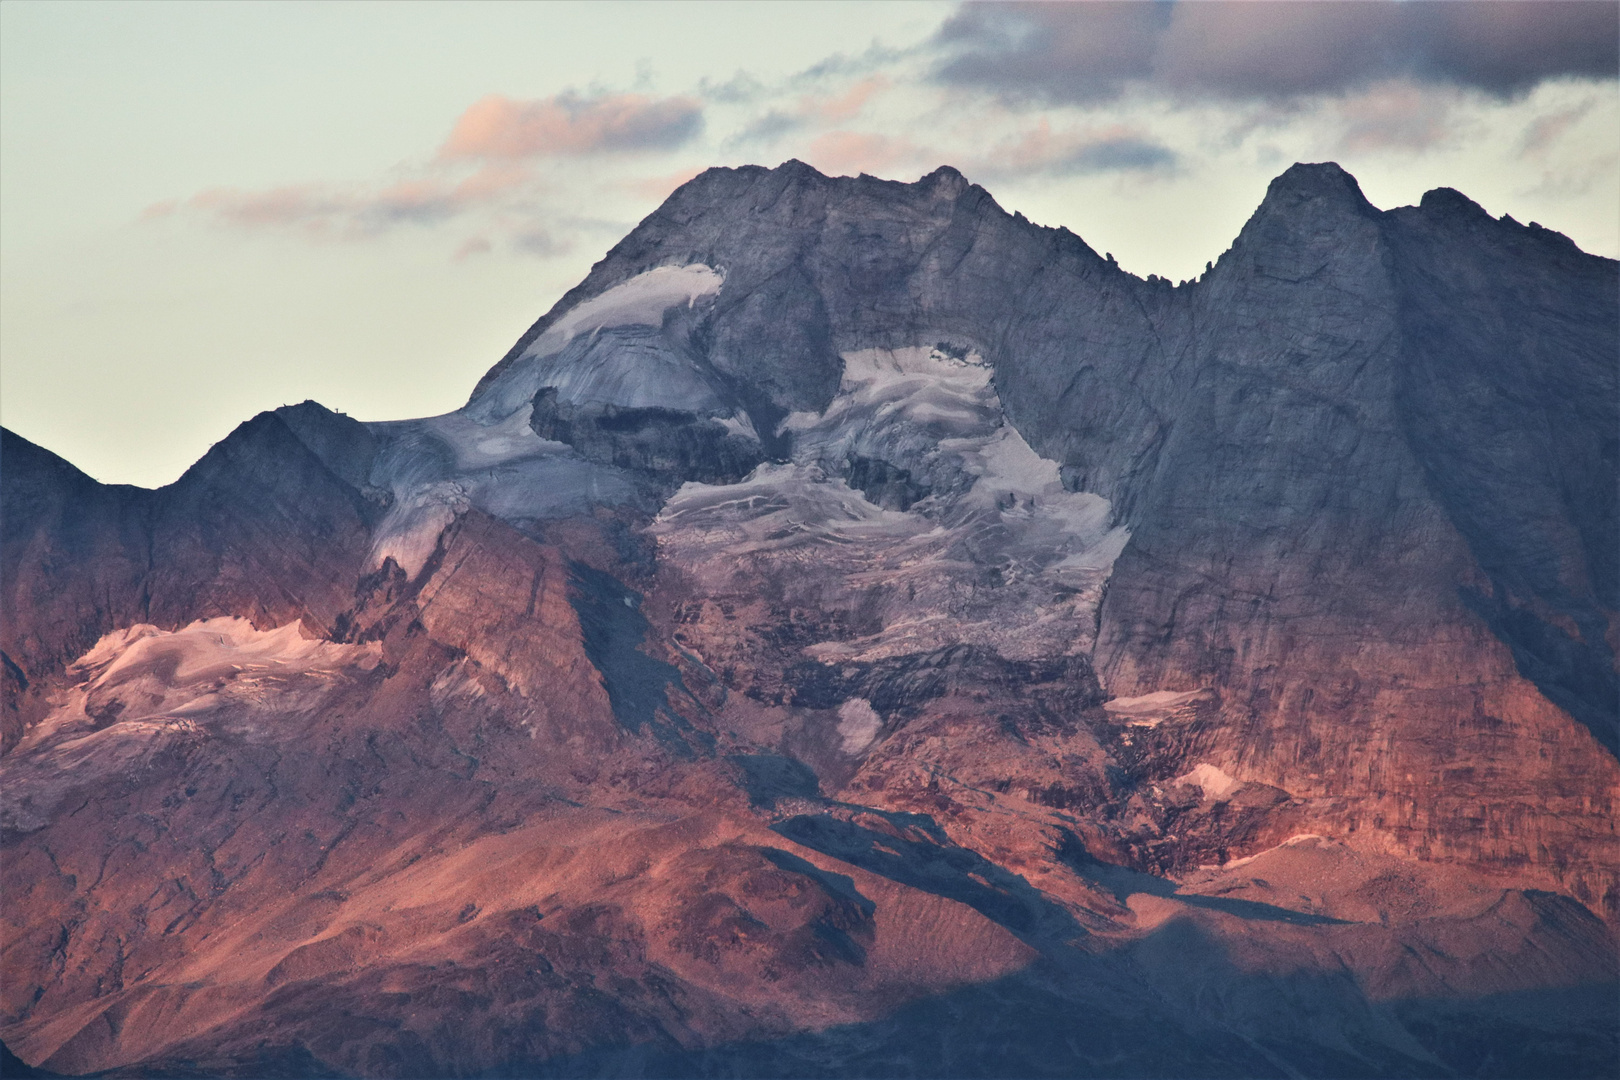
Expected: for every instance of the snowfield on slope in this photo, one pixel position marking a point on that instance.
(993, 551)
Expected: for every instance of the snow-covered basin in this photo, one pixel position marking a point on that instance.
(1151, 710)
(140, 688)
(996, 552)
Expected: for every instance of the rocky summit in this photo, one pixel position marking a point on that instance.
(859, 632)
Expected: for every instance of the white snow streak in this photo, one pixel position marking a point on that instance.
(1216, 784)
(858, 724)
(1151, 710)
(640, 301)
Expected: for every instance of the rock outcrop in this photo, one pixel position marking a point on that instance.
(858, 630)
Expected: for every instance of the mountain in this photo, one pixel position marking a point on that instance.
(860, 632)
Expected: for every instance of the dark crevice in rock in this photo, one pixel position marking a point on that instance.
(883, 484)
(670, 445)
(1061, 686)
(614, 631)
(942, 869)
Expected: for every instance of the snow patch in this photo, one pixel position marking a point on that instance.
(903, 373)
(631, 367)
(912, 500)
(440, 466)
(780, 506)
(740, 424)
(640, 301)
(222, 647)
(858, 724)
(611, 349)
(139, 690)
(484, 446)
(410, 531)
(1292, 841)
(1151, 710)
(938, 418)
(901, 406)
(1215, 783)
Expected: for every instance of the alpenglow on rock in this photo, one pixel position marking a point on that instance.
(860, 631)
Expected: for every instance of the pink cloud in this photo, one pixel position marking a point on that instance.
(813, 111)
(323, 210)
(305, 205)
(1395, 116)
(500, 128)
(1546, 130)
(477, 245)
(846, 106)
(483, 166)
(841, 153)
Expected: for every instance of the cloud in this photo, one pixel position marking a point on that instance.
(1068, 53)
(475, 245)
(1076, 151)
(741, 88)
(359, 211)
(541, 243)
(1395, 115)
(1546, 130)
(842, 153)
(1125, 154)
(487, 168)
(1508, 47)
(840, 108)
(876, 57)
(308, 206)
(769, 127)
(815, 110)
(1086, 52)
(499, 128)
(1041, 149)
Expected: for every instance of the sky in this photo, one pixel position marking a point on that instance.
(211, 209)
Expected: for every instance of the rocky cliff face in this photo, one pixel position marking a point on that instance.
(858, 630)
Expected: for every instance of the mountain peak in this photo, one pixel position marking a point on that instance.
(1446, 200)
(945, 180)
(1325, 181)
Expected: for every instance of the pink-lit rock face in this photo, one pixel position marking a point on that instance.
(860, 632)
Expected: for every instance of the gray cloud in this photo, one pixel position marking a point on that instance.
(1076, 53)
(769, 127)
(1119, 155)
(1042, 150)
(1082, 52)
(539, 242)
(874, 58)
(741, 88)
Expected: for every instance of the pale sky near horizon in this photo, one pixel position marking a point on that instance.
(207, 210)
